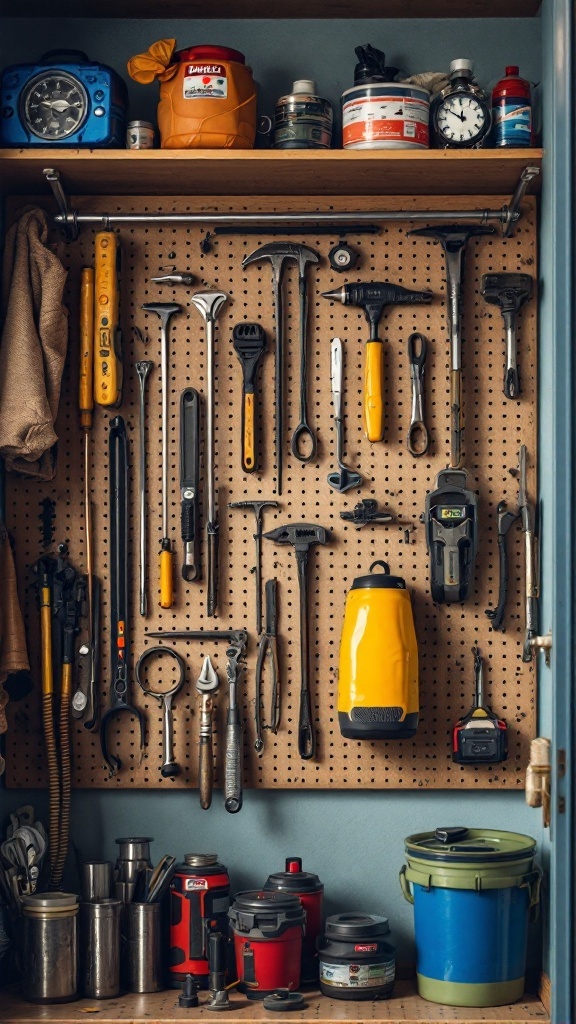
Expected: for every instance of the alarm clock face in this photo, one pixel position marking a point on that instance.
(54, 105)
(462, 120)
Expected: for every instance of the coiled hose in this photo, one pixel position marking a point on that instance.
(53, 784)
(48, 723)
(65, 784)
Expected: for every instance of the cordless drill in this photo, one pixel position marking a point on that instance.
(373, 297)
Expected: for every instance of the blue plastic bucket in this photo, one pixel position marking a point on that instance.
(474, 893)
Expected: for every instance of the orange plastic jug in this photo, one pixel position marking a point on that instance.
(210, 103)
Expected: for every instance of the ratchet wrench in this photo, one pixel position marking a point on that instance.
(417, 440)
(165, 698)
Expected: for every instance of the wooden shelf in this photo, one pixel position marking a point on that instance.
(268, 172)
(278, 9)
(162, 1008)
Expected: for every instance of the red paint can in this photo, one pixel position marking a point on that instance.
(199, 902)
(310, 892)
(268, 929)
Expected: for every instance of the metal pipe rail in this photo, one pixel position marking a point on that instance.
(507, 216)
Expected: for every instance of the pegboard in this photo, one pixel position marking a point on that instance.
(494, 430)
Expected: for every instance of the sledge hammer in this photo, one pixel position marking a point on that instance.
(302, 536)
(509, 292)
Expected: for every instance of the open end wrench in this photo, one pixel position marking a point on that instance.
(343, 479)
(207, 684)
(417, 440)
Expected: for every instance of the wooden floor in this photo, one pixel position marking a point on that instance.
(162, 1008)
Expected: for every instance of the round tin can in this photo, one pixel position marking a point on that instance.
(385, 115)
(357, 958)
(302, 120)
(140, 135)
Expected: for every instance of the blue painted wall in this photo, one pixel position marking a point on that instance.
(354, 840)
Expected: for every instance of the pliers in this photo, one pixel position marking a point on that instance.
(268, 646)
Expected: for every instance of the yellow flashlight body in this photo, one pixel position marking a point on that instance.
(378, 695)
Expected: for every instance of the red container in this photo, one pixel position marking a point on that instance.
(199, 902)
(512, 111)
(310, 892)
(268, 929)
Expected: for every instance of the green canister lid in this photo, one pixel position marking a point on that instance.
(464, 845)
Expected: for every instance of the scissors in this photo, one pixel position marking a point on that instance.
(165, 698)
(417, 440)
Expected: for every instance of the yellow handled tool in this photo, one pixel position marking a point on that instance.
(107, 336)
(86, 376)
(373, 298)
(373, 411)
(249, 341)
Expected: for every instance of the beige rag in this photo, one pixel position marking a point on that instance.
(32, 349)
(13, 654)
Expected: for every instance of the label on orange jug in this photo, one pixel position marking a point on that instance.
(205, 81)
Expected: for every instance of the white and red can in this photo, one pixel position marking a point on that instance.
(385, 115)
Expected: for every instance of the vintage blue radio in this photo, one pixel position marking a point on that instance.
(63, 100)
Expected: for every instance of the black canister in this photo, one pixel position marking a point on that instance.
(356, 960)
(310, 891)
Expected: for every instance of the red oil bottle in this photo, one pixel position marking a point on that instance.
(512, 111)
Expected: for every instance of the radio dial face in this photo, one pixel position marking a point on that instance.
(54, 105)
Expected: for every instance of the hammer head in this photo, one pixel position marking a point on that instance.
(302, 536)
(508, 291)
(163, 309)
(453, 237)
(278, 252)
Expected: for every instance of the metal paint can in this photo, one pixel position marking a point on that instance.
(303, 120)
(385, 115)
(140, 135)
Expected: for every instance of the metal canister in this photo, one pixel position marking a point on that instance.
(50, 947)
(303, 120)
(100, 948)
(140, 135)
(95, 879)
(385, 115)
(145, 947)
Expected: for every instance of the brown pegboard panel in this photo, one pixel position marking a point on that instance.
(494, 430)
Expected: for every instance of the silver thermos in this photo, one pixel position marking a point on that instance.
(100, 948)
(50, 926)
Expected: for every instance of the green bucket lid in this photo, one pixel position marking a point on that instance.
(467, 845)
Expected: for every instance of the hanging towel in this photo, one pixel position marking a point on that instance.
(32, 348)
(13, 654)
